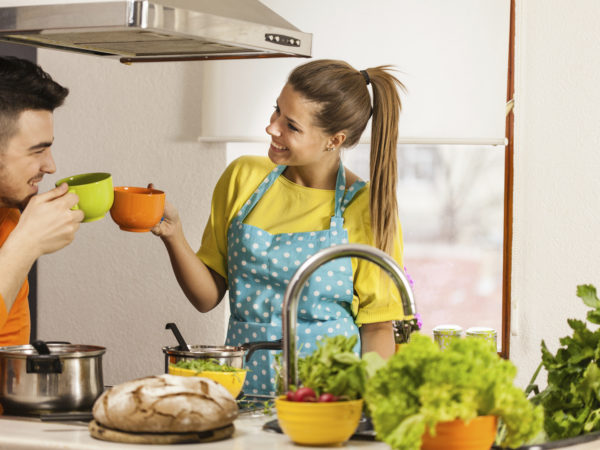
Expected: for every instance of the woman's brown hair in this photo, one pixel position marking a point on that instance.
(345, 103)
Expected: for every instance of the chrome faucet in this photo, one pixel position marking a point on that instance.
(296, 284)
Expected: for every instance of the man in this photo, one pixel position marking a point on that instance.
(31, 225)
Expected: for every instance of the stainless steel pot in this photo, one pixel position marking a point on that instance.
(234, 356)
(50, 377)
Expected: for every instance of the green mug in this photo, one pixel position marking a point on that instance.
(95, 191)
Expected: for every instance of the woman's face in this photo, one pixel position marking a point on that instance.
(295, 140)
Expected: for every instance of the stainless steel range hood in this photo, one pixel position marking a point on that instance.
(155, 30)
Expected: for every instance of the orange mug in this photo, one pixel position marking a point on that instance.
(137, 209)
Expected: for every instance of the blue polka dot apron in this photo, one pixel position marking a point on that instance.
(260, 265)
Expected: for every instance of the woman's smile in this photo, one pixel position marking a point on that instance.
(278, 148)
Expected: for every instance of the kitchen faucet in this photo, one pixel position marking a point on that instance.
(298, 280)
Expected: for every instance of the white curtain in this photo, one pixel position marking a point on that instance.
(451, 55)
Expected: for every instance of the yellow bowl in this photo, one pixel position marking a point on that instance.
(232, 381)
(325, 423)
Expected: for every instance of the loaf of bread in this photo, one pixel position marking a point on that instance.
(166, 404)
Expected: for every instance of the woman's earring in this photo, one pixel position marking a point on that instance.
(330, 149)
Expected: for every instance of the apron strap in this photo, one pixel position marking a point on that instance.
(340, 190)
(351, 192)
(259, 192)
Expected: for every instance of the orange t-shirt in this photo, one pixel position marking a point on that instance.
(14, 324)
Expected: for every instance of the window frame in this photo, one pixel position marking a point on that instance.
(508, 190)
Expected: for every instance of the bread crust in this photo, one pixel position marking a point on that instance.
(166, 404)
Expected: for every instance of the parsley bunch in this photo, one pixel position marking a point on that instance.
(571, 400)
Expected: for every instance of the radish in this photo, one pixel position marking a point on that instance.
(327, 397)
(305, 394)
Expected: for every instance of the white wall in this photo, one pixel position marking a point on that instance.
(557, 171)
(110, 287)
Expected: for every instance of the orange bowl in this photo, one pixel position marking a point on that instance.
(476, 434)
(137, 209)
(318, 423)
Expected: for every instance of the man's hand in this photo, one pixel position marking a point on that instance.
(48, 223)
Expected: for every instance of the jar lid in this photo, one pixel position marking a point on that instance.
(448, 330)
(481, 331)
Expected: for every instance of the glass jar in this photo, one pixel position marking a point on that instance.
(444, 334)
(486, 333)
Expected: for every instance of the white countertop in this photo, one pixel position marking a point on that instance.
(29, 433)
(33, 434)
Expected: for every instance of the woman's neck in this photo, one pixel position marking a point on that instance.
(321, 175)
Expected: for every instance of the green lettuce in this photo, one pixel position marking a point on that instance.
(422, 385)
(334, 368)
(205, 365)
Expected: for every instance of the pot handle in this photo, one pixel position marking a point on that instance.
(40, 347)
(251, 347)
(182, 344)
(43, 362)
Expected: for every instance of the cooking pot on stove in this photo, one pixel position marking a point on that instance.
(50, 377)
(234, 356)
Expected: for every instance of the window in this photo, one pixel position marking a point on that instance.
(450, 200)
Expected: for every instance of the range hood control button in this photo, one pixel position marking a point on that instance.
(283, 40)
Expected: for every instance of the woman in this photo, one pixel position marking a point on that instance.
(269, 214)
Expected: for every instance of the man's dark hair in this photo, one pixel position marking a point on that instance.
(23, 86)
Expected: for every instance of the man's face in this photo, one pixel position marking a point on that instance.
(26, 158)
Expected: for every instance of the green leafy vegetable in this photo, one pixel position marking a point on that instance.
(206, 365)
(571, 400)
(334, 368)
(422, 385)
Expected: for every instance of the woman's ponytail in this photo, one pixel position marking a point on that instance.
(383, 162)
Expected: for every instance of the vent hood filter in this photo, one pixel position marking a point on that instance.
(156, 30)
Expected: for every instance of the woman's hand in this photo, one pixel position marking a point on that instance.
(170, 222)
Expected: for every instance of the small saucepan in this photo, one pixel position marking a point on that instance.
(234, 356)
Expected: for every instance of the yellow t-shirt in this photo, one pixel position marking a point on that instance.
(290, 208)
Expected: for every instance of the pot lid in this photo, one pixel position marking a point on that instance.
(63, 350)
